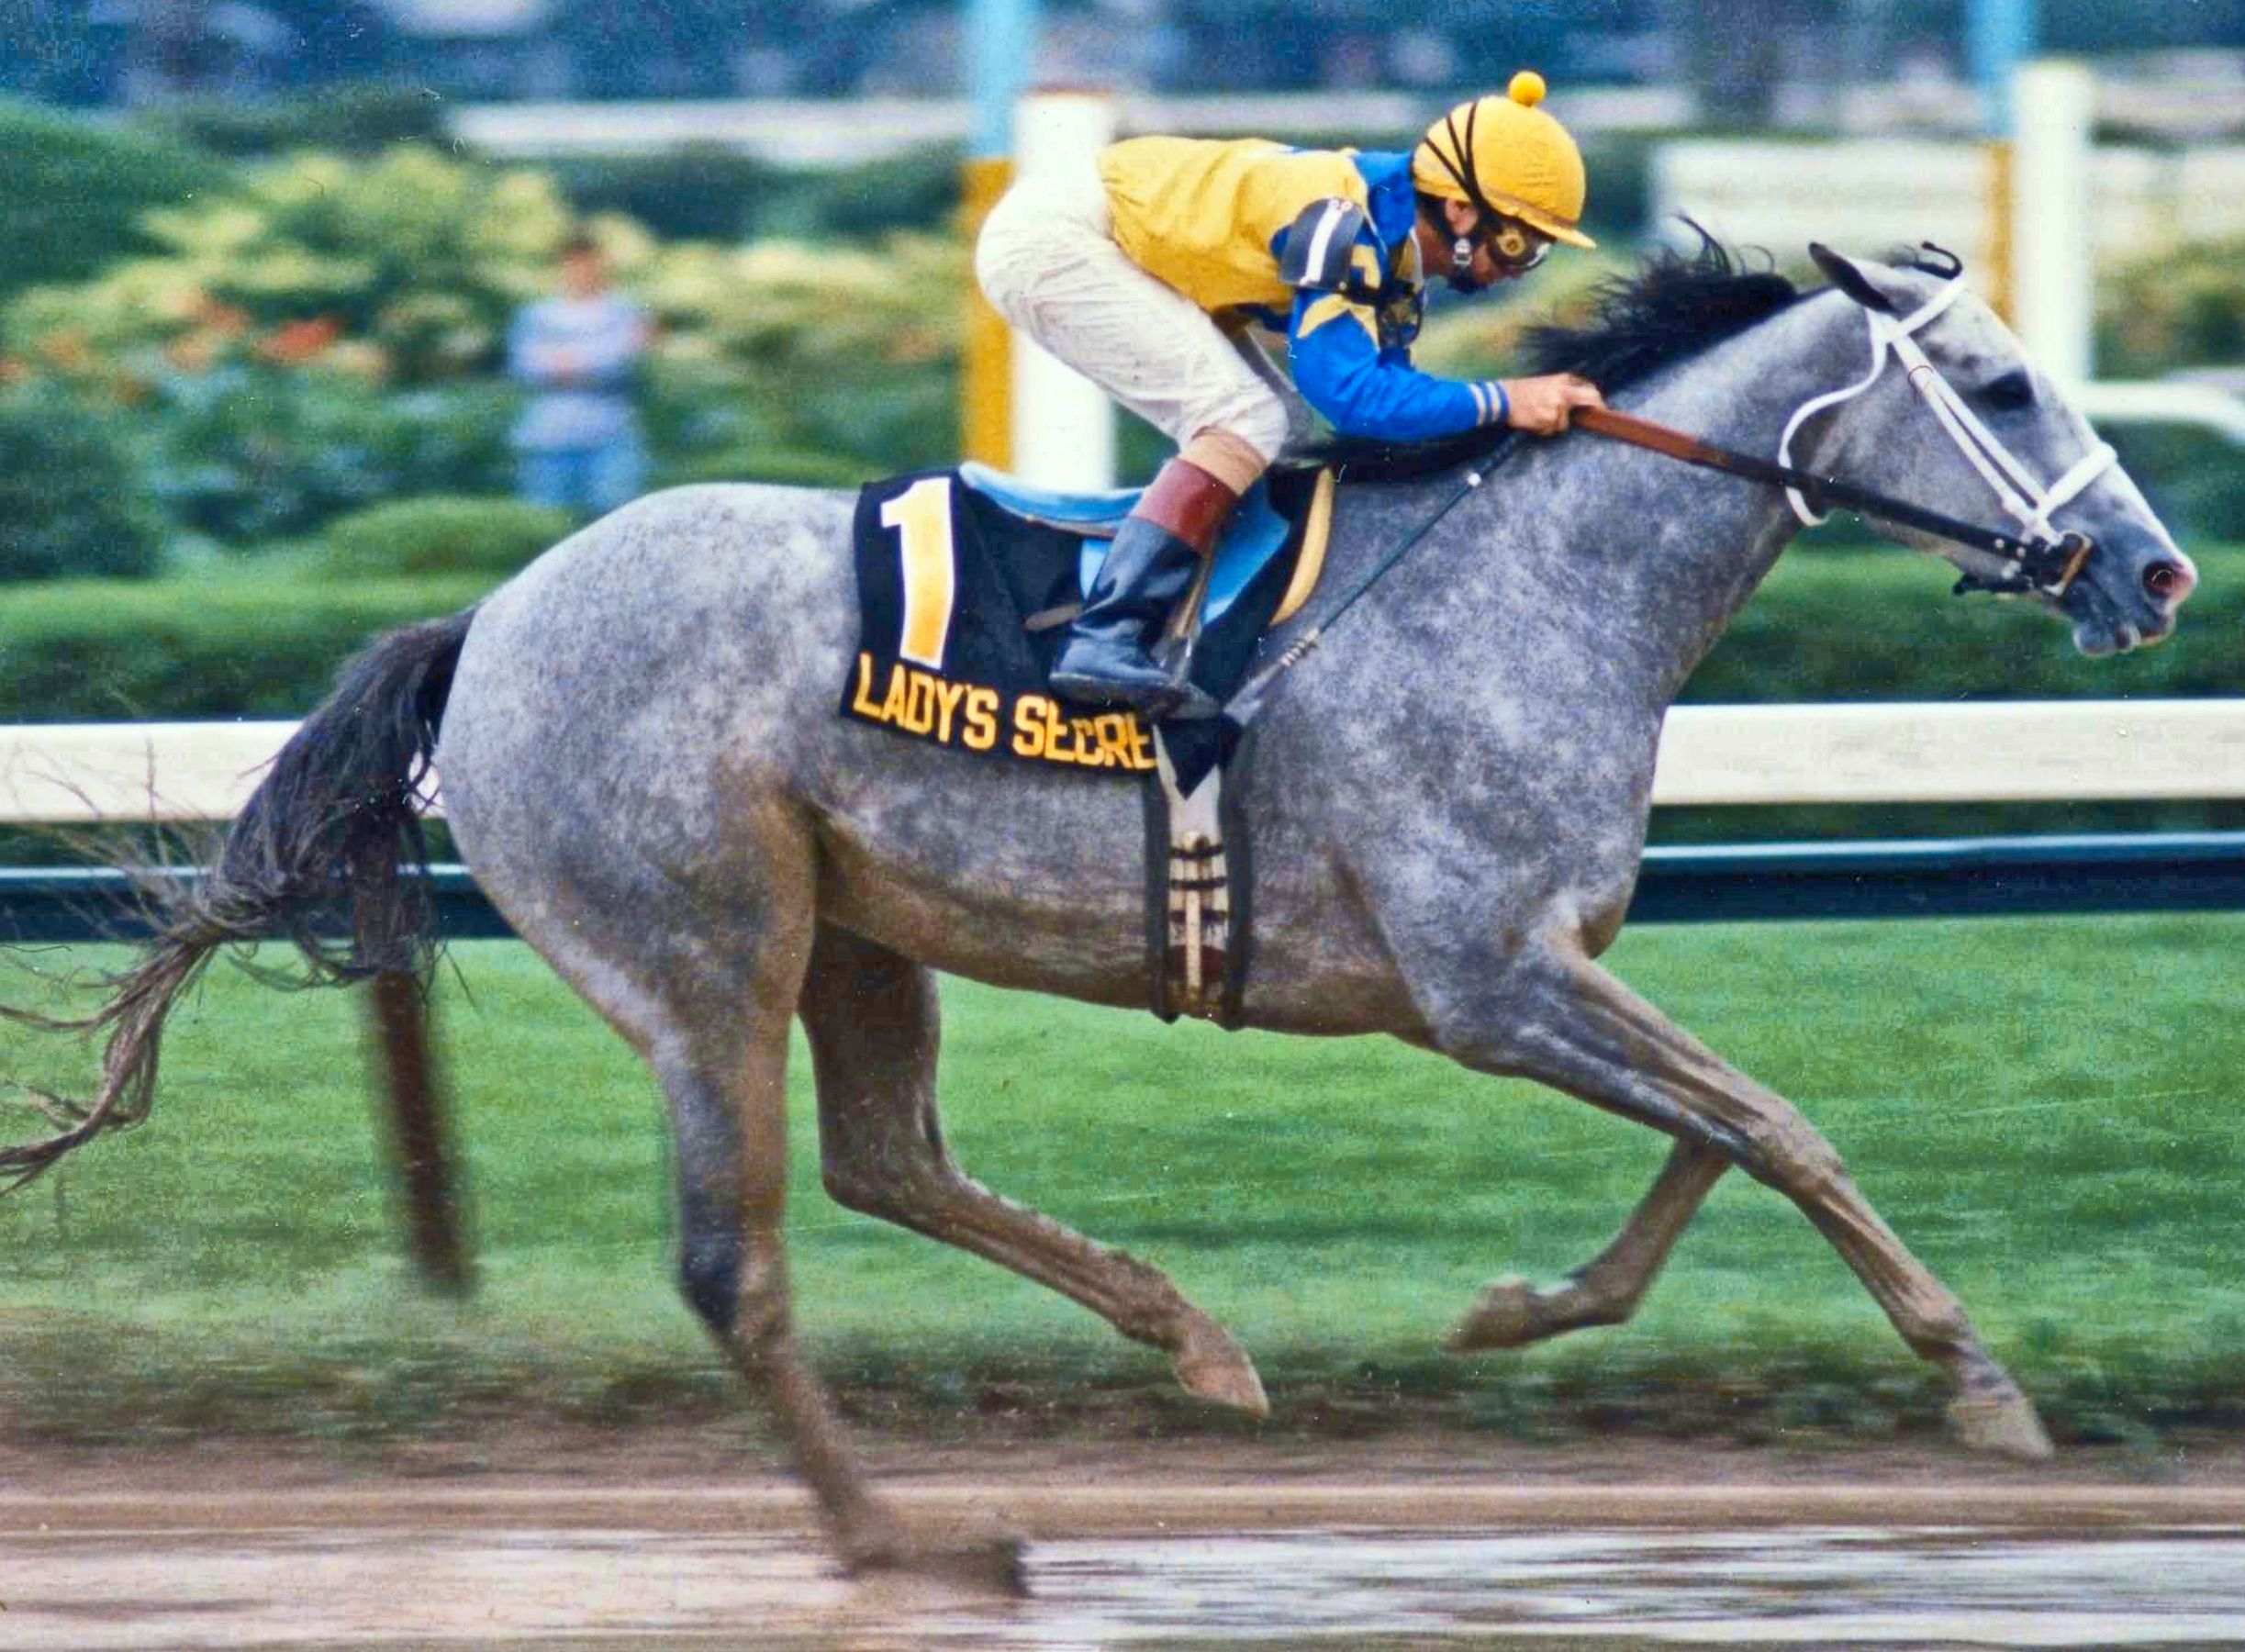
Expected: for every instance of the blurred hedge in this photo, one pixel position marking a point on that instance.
(73, 503)
(1846, 623)
(439, 535)
(76, 192)
(240, 643)
(1843, 625)
(707, 191)
(406, 267)
(345, 119)
(252, 451)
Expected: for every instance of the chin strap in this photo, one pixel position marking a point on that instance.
(2029, 503)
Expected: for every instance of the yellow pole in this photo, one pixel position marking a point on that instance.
(986, 376)
(2003, 245)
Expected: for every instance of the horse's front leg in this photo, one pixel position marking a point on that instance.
(1512, 1311)
(1556, 1017)
(872, 1020)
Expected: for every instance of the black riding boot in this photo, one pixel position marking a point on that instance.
(1149, 568)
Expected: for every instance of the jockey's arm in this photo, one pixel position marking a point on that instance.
(1335, 355)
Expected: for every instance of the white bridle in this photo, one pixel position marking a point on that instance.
(2029, 503)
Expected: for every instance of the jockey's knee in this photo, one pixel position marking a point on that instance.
(1231, 458)
(1237, 441)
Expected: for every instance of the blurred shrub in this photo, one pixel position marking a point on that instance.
(330, 339)
(346, 119)
(71, 501)
(1620, 169)
(443, 534)
(257, 451)
(1844, 624)
(698, 192)
(408, 268)
(793, 363)
(2195, 479)
(238, 641)
(704, 191)
(76, 192)
(914, 192)
(2184, 306)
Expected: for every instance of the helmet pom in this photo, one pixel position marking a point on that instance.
(1526, 89)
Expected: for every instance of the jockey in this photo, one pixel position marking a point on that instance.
(1143, 273)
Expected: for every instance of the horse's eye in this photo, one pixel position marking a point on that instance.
(2010, 393)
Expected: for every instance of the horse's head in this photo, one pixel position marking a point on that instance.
(1958, 421)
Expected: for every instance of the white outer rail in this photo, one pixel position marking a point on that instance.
(1898, 752)
(1981, 752)
(58, 774)
(2162, 401)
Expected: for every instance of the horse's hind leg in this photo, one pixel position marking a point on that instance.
(1585, 1032)
(872, 1020)
(1512, 1312)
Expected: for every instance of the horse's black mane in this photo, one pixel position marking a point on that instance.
(1676, 305)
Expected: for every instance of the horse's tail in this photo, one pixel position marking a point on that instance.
(332, 831)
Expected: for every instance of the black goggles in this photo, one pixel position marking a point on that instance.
(1517, 248)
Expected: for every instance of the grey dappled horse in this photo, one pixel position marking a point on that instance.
(642, 766)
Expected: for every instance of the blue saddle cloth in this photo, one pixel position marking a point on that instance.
(1256, 534)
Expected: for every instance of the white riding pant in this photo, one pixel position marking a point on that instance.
(1048, 262)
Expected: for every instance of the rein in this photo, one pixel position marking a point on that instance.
(2021, 566)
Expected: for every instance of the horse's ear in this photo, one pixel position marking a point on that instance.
(1850, 279)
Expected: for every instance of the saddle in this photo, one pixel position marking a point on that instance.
(1259, 531)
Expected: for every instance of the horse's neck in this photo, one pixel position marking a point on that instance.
(1666, 553)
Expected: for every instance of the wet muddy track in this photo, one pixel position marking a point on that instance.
(1128, 1563)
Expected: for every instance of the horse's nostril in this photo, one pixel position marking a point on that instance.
(2164, 579)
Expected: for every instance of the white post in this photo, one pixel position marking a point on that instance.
(2053, 234)
(1064, 425)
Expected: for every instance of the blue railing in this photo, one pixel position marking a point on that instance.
(1934, 877)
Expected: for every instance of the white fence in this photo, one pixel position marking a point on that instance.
(1868, 196)
(1902, 752)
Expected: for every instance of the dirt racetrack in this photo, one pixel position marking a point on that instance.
(651, 1542)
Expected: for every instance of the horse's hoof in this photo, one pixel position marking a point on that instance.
(1508, 1314)
(994, 1564)
(1214, 1368)
(2002, 1422)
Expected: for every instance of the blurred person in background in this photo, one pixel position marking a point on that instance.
(1143, 271)
(579, 442)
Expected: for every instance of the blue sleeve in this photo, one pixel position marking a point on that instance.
(1364, 391)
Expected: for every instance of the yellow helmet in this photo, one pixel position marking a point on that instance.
(1506, 156)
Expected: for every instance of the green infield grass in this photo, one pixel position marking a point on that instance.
(2048, 1110)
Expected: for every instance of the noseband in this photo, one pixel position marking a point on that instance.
(2038, 564)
